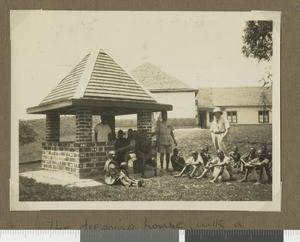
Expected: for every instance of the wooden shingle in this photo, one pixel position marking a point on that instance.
(103, 86)
(98, 76)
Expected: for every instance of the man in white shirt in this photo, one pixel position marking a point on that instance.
(102, 131)
(219, 130)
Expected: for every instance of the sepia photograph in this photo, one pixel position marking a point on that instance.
(137, 110)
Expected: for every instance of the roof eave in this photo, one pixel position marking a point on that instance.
(173, 90)
(129, 107)
(49, 107)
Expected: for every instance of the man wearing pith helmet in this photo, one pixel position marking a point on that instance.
(219, 130)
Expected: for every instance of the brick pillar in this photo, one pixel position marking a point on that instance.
(52, 127)
(145, 122)
(84, 129)
(111, 121)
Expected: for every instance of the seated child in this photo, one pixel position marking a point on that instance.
(205, 155)
(221, 167)
(247, 158)
(258, 164)
(235, 156)
(177, 160)
(192, 164)
(114, 175)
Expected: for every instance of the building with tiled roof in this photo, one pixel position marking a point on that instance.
(241, 105)
(167, 89)
(97, 85)
(157, 80)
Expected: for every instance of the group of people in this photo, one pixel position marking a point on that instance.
(223, 167)
(138, 146)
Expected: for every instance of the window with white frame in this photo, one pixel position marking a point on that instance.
(263, 116)
(232, 117)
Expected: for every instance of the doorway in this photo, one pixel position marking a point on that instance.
(202, 119)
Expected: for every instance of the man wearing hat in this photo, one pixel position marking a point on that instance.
(219, 130)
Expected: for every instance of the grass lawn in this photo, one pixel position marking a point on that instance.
(165, 187)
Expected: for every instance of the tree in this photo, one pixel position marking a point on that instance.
(257, 40)
(258, 44)
(26, 133)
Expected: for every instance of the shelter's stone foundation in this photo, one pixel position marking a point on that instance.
(80, 159)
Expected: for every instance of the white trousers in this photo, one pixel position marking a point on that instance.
(219, 142)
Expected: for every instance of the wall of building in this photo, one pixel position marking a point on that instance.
(183, 103)
(246, 115)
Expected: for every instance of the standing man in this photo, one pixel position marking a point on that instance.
(219, 130)
(102, 131)
(165, 138)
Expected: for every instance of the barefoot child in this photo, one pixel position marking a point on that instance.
(191, 165)
(221, 166)
(258, 164)
(114, 175)
(177, 160)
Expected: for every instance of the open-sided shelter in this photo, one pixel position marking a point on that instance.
(96, 86)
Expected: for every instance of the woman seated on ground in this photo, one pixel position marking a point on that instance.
(258, 164)
(118, 175)
(177, 160)
(192, 165)
(221, 167)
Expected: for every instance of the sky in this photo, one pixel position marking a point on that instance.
(202, 49)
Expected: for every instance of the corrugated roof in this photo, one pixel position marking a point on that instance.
(156, 80)
(99, 77)
(235, 96)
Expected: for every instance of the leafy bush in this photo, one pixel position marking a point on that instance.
(27, 134)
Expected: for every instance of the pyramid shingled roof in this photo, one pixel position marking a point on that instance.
(157, 80)
(99, 78)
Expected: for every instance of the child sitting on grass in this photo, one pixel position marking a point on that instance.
(221, 167)
(235, 156)
(118, 175)
(177, 160)
(191, 166)
(258, 164)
